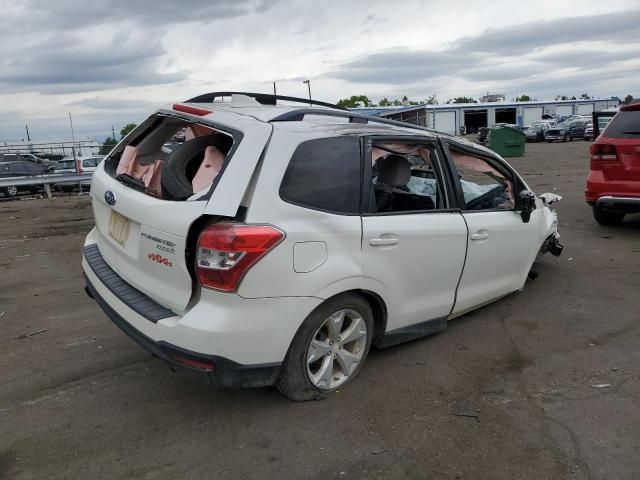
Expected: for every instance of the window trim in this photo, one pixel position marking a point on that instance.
(509, 173)
(284, 198)
(368, 142)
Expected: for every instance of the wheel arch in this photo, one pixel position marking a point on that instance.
(378, 307)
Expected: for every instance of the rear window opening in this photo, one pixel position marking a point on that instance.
(171, 158)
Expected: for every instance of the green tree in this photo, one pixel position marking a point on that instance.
(585, 96)
(126, 129)
(385, 102)
(562, 97)
(523, 98)
(628, 99)
(107, 145)
(432, 100)
(354, 100)
(462, 100)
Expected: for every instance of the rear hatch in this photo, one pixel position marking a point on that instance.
(623, 133)
(144, 237)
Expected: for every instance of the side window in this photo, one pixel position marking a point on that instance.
(324, 174)
(484, 187)
(89, 162)
(35, 168)
(403, 178)
(21, 168)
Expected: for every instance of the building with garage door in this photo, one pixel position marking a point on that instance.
(451, 117)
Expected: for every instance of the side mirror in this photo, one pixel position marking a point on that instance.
(527, 204)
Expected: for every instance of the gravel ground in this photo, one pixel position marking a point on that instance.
(81, 400)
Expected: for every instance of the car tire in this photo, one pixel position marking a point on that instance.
(548, 141)
(610, 218)
(11, 191)
(182, 165)
(566, 138)
(301, 376)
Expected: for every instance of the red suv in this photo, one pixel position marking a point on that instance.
(613, 184)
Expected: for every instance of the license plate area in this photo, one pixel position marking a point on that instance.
(119, 227)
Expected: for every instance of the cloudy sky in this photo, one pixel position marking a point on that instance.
(109, 62)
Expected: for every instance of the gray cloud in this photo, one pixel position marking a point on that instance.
(510, 55)
(71, 14)
(619, 26)
(63, 47)
(401, 66)
(113, 104)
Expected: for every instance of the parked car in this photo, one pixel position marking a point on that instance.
(20, 168)
(28, 157)
(77, 165)
(588, 132)
(536, 132)
(613, 184)
(275, 250)
(567, 131)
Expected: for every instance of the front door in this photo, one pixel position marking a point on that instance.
(500, 246)
(413, 246)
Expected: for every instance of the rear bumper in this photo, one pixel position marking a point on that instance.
(599, 186)
(625, 204)
(213, 369)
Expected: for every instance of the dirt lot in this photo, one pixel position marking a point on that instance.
(81, 400)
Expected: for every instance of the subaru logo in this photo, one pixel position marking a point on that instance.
(110, 197)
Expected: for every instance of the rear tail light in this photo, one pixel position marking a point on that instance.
(226, 251)
(603, 151)
(79, 166)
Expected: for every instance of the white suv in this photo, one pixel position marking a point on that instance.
(277, 243)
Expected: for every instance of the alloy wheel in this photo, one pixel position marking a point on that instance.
(336, 349)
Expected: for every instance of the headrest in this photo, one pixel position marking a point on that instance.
(395, 171)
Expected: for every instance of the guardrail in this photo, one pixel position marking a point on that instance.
(46, 180)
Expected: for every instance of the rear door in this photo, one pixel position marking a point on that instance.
(500, 246)
(144, 238)
(413, 245)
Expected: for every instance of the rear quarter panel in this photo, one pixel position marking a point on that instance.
(339, 236)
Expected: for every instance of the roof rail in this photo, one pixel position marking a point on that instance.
(263, 98)
(298, 116)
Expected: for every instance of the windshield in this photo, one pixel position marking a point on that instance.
(66, 164)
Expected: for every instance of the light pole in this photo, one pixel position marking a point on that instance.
(308, 82)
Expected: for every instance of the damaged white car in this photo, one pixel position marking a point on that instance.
(276, 242)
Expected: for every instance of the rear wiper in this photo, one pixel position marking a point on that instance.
(134, 183)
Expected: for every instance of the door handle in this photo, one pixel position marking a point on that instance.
(480, 236)
(377, 242)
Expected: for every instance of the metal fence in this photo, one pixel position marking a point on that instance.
(45, 180)
(53, 150)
